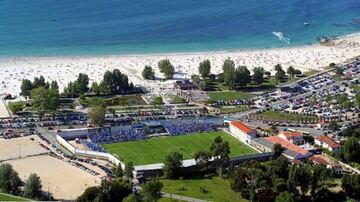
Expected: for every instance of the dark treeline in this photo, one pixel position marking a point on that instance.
(113, 83)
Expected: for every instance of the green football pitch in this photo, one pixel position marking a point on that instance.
(155, 149)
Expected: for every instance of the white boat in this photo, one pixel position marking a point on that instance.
(282, 37)
(306, 23)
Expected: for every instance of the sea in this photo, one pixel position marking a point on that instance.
(103, 27)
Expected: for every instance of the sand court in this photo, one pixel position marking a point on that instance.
(61, 179)
(20, 147)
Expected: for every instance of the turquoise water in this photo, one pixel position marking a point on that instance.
(99, 27)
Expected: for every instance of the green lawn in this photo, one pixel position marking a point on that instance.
(283, 116)
(233, 109)
(154, 150)
(217, 189)
(229, 95)
(8, 197)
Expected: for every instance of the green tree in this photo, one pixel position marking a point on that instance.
(357, 99)
(45, 99)
(258, 75)
(148, 73)
(97, 115)
(228, 64)
(119, 171)
(242, 76)
(220, 151)
(291, 71)
(116, 190)
(167, 68)
(278, 150)
(16, 107)
(32, 188)
(286, 197)
(334, 126)
(173, 164)
(40, 82)
(350, 183)
(279, 76)
(82, 83)
(95, 88)
(89, 194)
(26, 87)
(129, 168)
(158, 101)
(351, 150)
(204, 68)
(274, 130)
(131, 198)
(151, 191)
(202, 85)
(54, 86)
(202, 159)
(9, 179)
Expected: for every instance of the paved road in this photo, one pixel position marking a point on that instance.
(181, 198)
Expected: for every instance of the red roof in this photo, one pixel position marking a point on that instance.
(329, 141)
(286, 144)
(289, 134)
(241, 126)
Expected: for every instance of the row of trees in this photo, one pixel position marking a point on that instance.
(120, 188)
(219, 151)
(27, 86)
(113, 83)
(10, 183)
(278, 180)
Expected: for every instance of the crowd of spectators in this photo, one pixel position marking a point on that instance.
(188, 127)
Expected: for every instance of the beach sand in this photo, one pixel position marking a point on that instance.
(66, 69)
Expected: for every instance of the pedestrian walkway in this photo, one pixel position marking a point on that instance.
(181, 198)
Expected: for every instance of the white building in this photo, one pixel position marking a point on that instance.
(327, 143)
(241, 131)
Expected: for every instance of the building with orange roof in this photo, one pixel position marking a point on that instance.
(327, 143)
(241, 131)
(326, 161)
(293, 137)
(292, 151)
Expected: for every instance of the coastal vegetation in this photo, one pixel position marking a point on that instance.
(10, 183)
(166, 68)
(148, 73)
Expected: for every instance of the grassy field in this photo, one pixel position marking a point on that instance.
(217, 189)
(7, 197)
(233, 109)
(154, 150)
(283, 116)
(229, 95)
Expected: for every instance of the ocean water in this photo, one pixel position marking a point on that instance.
(99, 27)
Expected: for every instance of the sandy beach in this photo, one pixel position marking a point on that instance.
(66, 69)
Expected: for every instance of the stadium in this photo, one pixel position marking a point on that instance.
(149, 142)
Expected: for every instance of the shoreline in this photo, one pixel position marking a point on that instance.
(64, 69)
(238, 50)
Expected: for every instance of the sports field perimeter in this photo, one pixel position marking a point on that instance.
(154, 150)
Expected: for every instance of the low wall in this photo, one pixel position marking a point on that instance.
(155, 170)
(86, 153)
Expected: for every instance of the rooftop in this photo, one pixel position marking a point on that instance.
(289, 134)
(288, 145)
(328, 140)
(241, 126)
